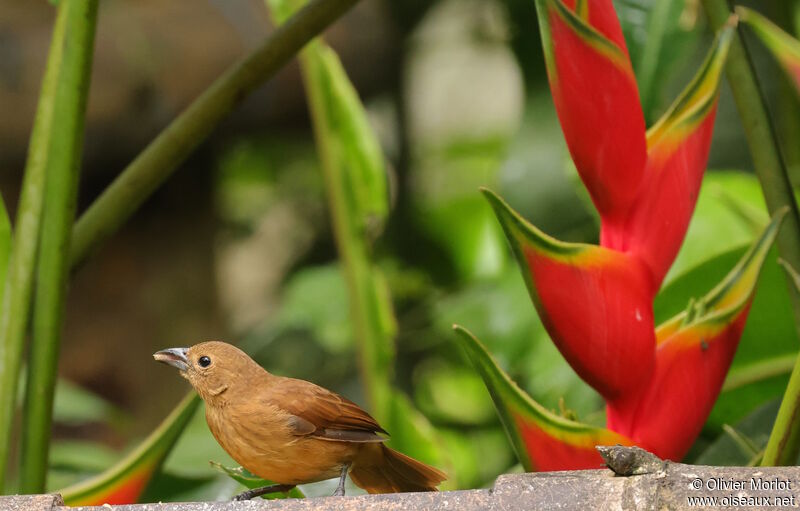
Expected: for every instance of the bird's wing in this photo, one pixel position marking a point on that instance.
(324, 414)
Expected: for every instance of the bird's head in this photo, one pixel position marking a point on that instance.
(213, 368)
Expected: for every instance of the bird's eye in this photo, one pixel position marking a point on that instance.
(204, 361)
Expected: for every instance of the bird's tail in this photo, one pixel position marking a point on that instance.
(384, 470)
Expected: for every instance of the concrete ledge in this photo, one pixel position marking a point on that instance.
(31, 502)
(637, 481)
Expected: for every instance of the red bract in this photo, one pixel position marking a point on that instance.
(596, 302)
(677, 151)
(541, 439)
(597, 101)
(694, 352)
(664, 413)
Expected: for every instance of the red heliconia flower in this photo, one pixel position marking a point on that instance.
(665, 414)
(693, 355)
(596, 302)
(644, 184)
(597, 100)
(542, 440)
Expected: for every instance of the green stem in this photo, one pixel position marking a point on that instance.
(19, 279)
(784, 442)
(760, 133)
(759, 371)
(75, 45)
(157, 162)
(367, 295)
(355, 184)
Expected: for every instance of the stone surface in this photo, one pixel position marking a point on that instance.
(664, 485)
(30, 502)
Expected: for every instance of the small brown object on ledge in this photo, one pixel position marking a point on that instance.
(631, 461)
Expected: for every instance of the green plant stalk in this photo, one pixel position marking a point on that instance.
(366, 299)
(784, 442)
(159, 159)
(19, 278)
(355, 183)
(5, 245)
(767, 158)
(790, 125)
(76, 45)
(759, 371)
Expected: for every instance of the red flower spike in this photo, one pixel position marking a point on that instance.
(694, 352)
(678, 146)
(542, 440)
(595, 303)
(597, 100)
(784, 47)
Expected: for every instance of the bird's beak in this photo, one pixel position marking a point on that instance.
(176, 357)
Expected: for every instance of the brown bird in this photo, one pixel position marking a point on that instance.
(291, 431)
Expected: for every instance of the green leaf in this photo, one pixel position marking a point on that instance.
(727, 450)
(5, 244)
(451, 393)
(661, 37)
(783, 46)
(248, 480)
(352, 143)
(74, 405)
(477, 455)
(499, 310)
(356, 183)
(80, 456)
(315, 298)
(126, 480)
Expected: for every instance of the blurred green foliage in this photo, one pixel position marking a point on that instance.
(445, 262)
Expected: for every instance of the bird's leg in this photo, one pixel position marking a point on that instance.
(257, 492)
(342, 478)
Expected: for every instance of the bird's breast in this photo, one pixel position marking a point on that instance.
(261, 440)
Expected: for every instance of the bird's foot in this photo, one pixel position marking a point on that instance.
(264, 490)
(340, 488)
